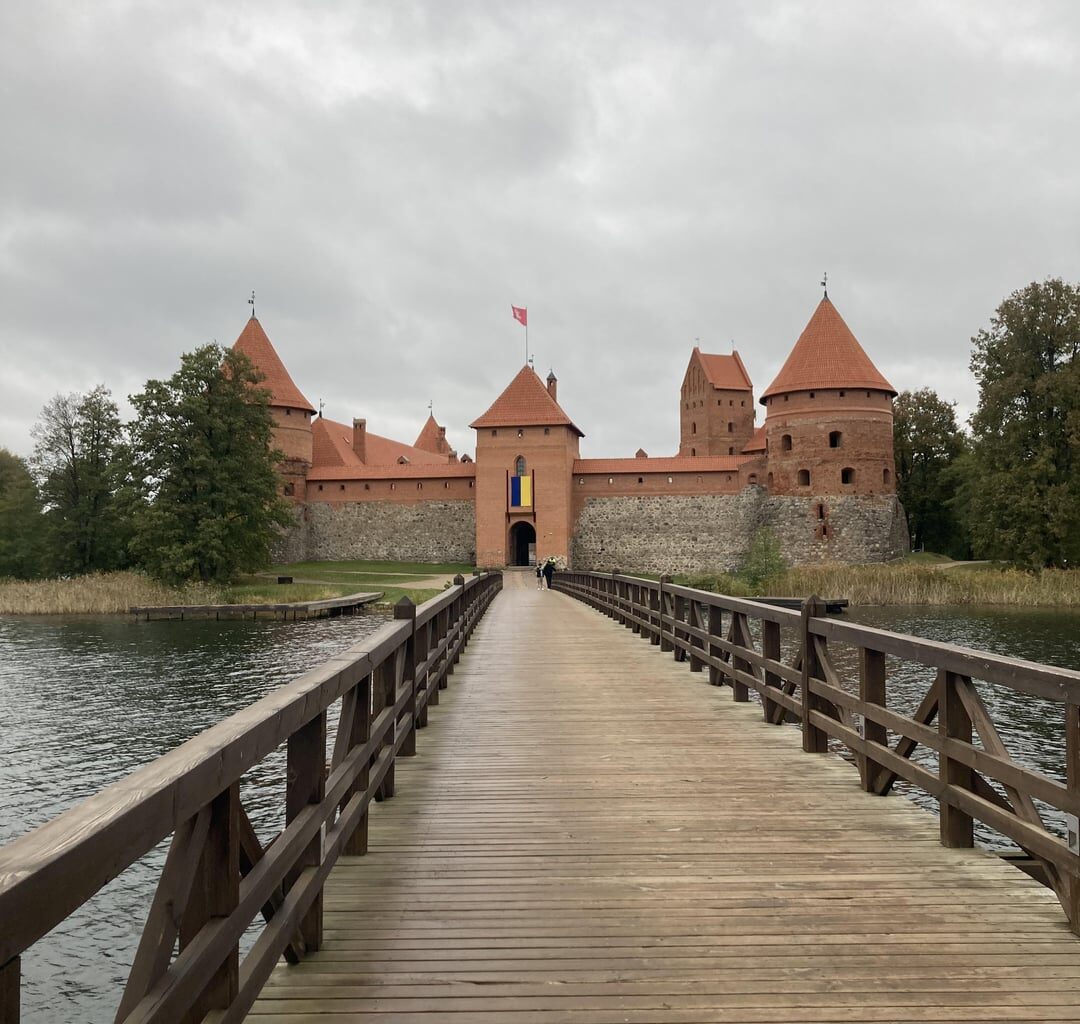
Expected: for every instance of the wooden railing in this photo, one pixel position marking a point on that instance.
(218, 876)
(974, 781)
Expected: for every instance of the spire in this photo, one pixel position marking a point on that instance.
(827, 355)
(254, 344)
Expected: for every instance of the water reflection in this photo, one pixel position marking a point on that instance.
(85, 701)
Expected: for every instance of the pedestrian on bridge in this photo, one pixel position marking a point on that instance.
(539, 576)
(549, 571)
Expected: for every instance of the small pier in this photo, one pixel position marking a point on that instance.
(328, 609)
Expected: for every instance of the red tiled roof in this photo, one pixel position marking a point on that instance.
(429, 435)
(524, 403)
(673, 464)
(827, 355)
(254, 344)
(331, 445)
(725, 372)
(756, 442)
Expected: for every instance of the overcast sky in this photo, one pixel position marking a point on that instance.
(390, 177)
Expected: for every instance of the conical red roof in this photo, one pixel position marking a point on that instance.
(524, 403)
(827, 355)
(254, 344)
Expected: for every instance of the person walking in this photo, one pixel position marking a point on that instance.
(539, 576)
(549, 571)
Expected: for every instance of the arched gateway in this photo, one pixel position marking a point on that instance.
(522, 544)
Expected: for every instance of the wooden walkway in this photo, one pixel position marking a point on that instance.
(591, 833)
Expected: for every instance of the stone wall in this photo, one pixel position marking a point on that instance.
(689, 533)
(429, 531)
(291, 545)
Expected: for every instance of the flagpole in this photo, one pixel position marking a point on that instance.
(526, 341)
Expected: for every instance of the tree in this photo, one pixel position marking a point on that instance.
(22, 551)
(927, 443)
(207, 504)
(79, 463)
(1022, 496)
(764, 559)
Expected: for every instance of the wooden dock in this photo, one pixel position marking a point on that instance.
(328, 608)
(590, 833)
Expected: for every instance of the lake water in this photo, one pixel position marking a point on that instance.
(84, 701)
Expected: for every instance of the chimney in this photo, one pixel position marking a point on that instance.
(359, 439)
(553, 384)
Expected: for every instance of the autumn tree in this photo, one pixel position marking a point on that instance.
(927, 442)
(203, 466)
(22, 552)
(79, 462)
(1022, 493)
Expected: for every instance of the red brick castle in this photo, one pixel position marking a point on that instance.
(819, 473)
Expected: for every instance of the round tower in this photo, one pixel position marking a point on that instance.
(291, 411)
(829, 416)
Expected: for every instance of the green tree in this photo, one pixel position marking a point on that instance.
(79, 462)
(764, 559)
(22, 551)
(1022, 492)
(927, 442)
(206, 506)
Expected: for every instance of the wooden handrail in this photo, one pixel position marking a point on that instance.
(217, 877)
(829, 706)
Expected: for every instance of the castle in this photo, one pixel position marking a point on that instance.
(819, 473)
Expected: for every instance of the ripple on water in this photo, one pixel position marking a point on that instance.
(86, 700)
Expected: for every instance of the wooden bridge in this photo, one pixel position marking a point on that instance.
(589, 832)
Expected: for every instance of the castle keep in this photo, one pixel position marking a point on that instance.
(819, 472)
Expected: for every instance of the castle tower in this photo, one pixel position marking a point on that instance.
(716, 405)
(829, 416)
(432, 438)
(525, 451)
(291, 411)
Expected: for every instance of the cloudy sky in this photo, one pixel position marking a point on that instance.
(390, 177)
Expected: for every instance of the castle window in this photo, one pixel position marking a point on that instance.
(886, 477)
(288, 412)
(547, 430)
(494, 433)
(289, 490)
(521, 433)
(669, 479)
(847, 475)
(580, 480)
(753, 478)
(785, 398)
(718, 402)
(519, 466)
(610, 480)
(641, 480)
(446, 484)
(343, 487)
(367, 487)
(393, 487)
(731, 451)
(812, 395)
(693, 451)
(785, 443)
(693, 428)
(841, 394)
(731, 402)
(731, 428)
(470, 483)
(804, 478)
(834, 438)
(419, 486)
(743, 403)
(821, 511)
(320, 487)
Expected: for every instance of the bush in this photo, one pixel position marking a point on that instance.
(763, 561)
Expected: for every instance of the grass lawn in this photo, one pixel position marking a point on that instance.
(418, 570)
(392, 579)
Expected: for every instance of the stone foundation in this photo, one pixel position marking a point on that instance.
(430, 531)
(693, 533)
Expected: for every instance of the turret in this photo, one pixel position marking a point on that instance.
(828, 416)
(716, 405)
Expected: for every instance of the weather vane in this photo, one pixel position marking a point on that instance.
(431, 407)
(825, 283)
(320, 400)
(251, 302)
(531, 358)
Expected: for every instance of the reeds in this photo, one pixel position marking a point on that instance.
(97, 594)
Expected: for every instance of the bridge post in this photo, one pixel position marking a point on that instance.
(665, 643)
(305, 784)
(423, 650)
(696, 620)
(384, 696)
(954, 722)
(9, 991)
(654, 615)
(357, 843)
(215, 894)
(815, 740)
(458, 616)
(405, 611)
(716, 630)
(678, 616)
(1072, 779)
(770, 648)
(872, 691)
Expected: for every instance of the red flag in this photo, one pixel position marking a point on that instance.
(520, 315)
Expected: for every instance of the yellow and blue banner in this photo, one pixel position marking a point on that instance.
(520, 492)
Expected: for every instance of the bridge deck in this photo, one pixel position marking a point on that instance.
(590, 833)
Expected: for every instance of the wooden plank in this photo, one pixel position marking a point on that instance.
(592, 835)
